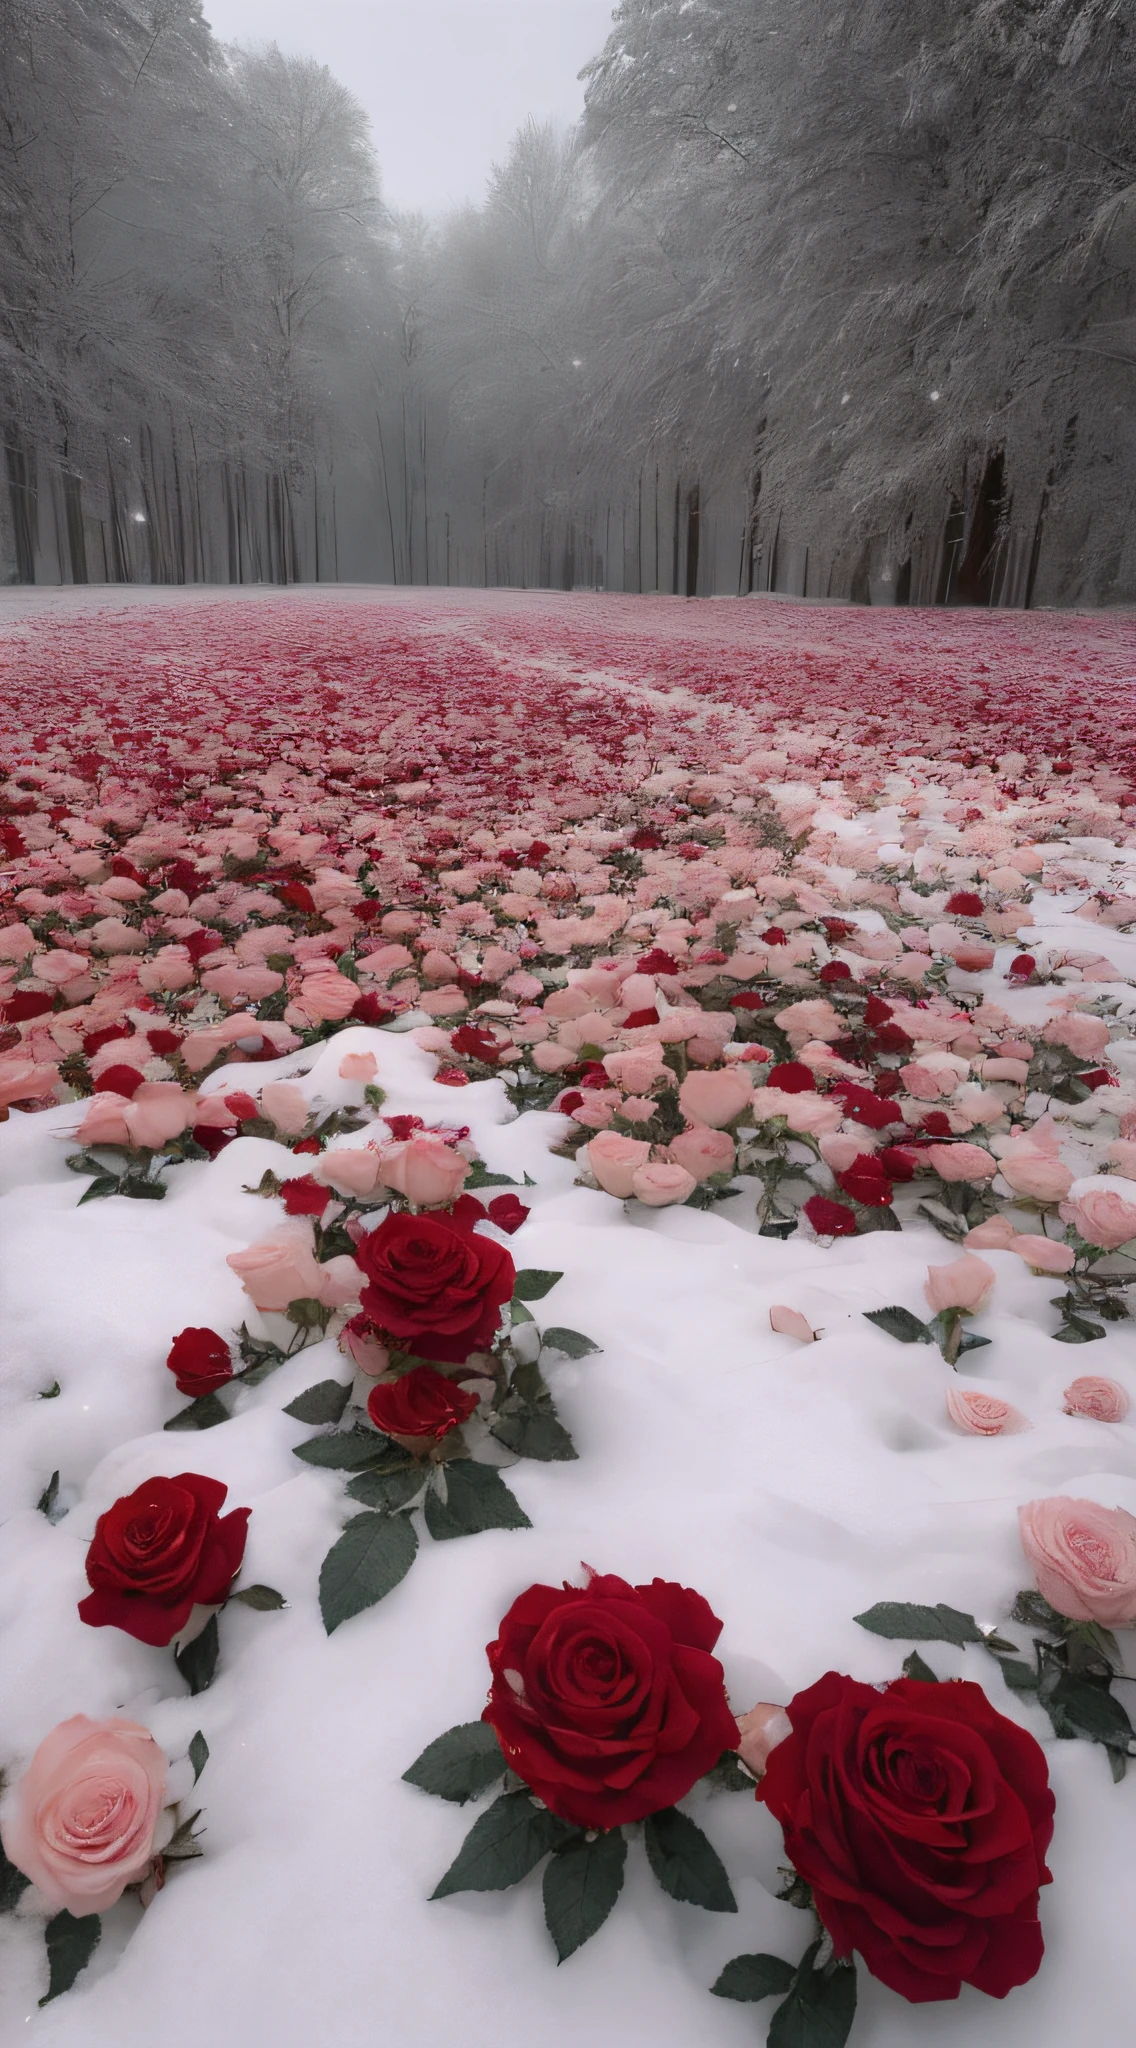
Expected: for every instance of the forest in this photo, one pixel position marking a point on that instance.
(832, 301)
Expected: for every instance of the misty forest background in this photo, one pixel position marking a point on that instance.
(838, 301)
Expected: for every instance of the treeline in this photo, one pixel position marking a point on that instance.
(835, 302)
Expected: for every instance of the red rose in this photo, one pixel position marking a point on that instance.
(830, 1219)
(158, 1553)
(436, 1290)
(865, 1107)
(866, 1181)
(200, 1362)
(305, 1196)
(508, 1212)
(792, 1077)
(921, 1818)
(422, 1403)
(606, 1699)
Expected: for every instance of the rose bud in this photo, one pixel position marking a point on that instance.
(965, 1284)
(613, 1161)
(661, 1183)
(423, 1404)
(200, 1362)
(359, 1342)
(978, 1414)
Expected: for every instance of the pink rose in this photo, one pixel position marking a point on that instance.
(339, 1281)
(351, 1169)
(157, 1112)
(357, 1340)
(425, 1169)
(280, 1269)
(286, 1106)
(105, 1121)
(703, 1151)
(1103, 1400)
(1083, 1558)
(978, 1414)
(358, 1066)
(24, 1081)
(1043, 1254)
(1103, 1215)
(637, 1109)
(613, 1160)
(1085, 1037)
(961, 1162)
(81, 1821)
(326, 996)
(659, 1184)
(789, 1322)
(759, 1732)
(715, 1098)
(838, 1149)
(639, 1069)
(1034, 1170)
(595, 1112)
(552, 1059)
(1122, 1153)
(997, 1234)
(964, 1284)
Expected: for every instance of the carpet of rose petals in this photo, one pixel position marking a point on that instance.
(820, 921)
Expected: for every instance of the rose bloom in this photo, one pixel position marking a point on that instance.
(613, 1160)
(281, 1268)
(158, 1553)
(423, 1404)
(286, 1106)
(1043, 1254)
(978, 1414)
(638, 1070)
(997, 1234)
(920, 1817)
(327, 996)
(964, 1284)
(961, 1162)
(437, 1289)
(200, 1362)
(703, 1151)
(1085, 1037)
(605, 1699)
(359, 1342)
(760, 1731)
(661, 1183)
(715, 1098)
(1103, 1215)
(81, 1821)
(424, 1169)
(1083, 1558)
(351, 1169)
(1102, 1399)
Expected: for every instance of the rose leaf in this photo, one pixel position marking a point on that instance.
(70, 1945)
(571, 1342)
(477, 1498)
(324, 1402)
(685, 1863)
(198, 1754)
(349, 1450)
(13, 1883)
(459, 1764)
(106, 1184)
(900, 1323)
(388, 1491)
(820, 2008)
(533, 1283)
(503, 1845)
(262, 1599)
(748, 1978)
(372, 1556)
(197, 1661)
(914, 1667)
(49, 1496)
(582, 1881)
(205, 1413)
(898, 1619)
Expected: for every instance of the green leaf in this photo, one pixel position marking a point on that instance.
(262, 1599)
(729, 1775)
(347, 1450)
(49, 1496)
(819, 2010)
(533, 1283)
(900, 1323)
(686, 1864)
(84, 1162)
(460, 1764)
(503, 1845)
(70, 1945)
(1085, 1707)
(535, 1432)
(197, 1661)
(141, 1189)
(519, 1314)
(198, 1754)
(869, 1219)
(480, 1177)
(971, 1341)
(324, 1402)
(914, 1667)
(748, 1978)
(1036, 1612)
(183, 1846)
(388, 1491)
(477, 1498)
(106, 1184)
(1019, 1676)
(582, 1881)
(306, 1313)
(372, 1556)
(268, 1185)
(13, 1883)
(1076, 1330)
(569, 1341)
(205, 1413)
(50, 1393)
(896, 1619)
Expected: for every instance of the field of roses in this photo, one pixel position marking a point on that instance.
(567, 1255)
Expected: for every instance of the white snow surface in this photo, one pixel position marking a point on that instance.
(793, 1485)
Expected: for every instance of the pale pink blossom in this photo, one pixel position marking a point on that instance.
(1085, 1037)
(661, 1183)
(964, 1284)
(286, 1106)
(1083, 1558)
(350, 1169)
(613, 1160)
(961, 1162)
(358, 1066)
(81, 1821)
(1103, 1212)
(715, 1098)
(997, 1234)
(979, 1414)
(1043, 1254)
(1103, 1399)
(638, 1070)
(423, 1168)
(280, 1269)
(789, 1322)
(701, 1150)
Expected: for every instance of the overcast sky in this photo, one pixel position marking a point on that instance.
(445, 82)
